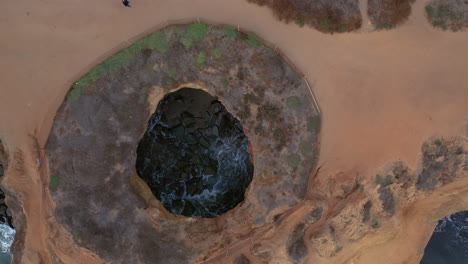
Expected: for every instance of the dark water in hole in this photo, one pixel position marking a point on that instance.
(194, 155)
(449, 242)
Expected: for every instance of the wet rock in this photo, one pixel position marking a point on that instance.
(3, 209)
(204, 143)
(183, 163)
(6, 217)
(190, 139)
(184, 176)
(215, 108)
(179, 131)
(212, 181)
(188, 121)
(209, 171)
(188, 169)
(177, 205)
(195, 160)
(188, 209)
(215, 131)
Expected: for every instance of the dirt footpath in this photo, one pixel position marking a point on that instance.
(381, 93)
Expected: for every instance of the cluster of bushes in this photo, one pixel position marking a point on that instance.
(344, 15)
(386, 14)
(324, 15)
(448, 14)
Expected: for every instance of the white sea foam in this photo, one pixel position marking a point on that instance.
(7, 235)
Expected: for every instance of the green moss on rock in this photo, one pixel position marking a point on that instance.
(74, 95)
(230, 33)
(201, 58)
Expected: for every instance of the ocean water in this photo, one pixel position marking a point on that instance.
(7, 236)
(5, 258)
(449, 242)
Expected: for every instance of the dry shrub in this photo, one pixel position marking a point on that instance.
(324, 15)
(386, 14)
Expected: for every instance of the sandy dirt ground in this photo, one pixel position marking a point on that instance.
(381, 93)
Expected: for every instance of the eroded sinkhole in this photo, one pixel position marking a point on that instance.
(194, 155)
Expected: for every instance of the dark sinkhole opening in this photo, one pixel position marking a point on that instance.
(449, 242)
(194, 155)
